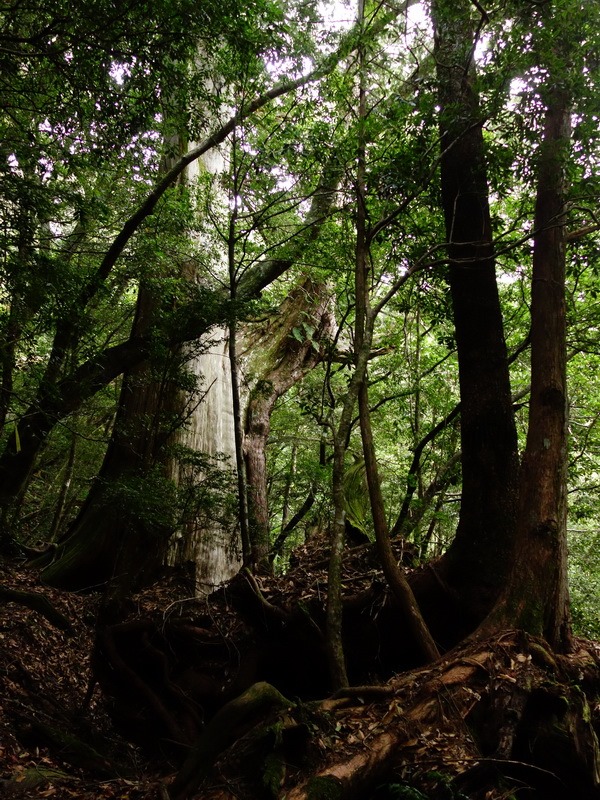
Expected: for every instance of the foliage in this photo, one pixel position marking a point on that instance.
(322, 166)
(205, 488)
(97, 101)
(584, 581)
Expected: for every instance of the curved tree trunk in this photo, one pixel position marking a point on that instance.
(477, 562)
(289, 347)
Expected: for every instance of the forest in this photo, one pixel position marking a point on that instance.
(299, 424)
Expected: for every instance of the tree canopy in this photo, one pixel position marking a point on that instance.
(288, 284)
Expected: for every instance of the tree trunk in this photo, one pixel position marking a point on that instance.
(208, 543)
(536, 596)
(289, 347)
(93, 546)
(394, 573)
(118, 535)
(478, 560)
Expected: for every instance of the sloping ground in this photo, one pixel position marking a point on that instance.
(55, 739)
(224, 698)
(498, 719)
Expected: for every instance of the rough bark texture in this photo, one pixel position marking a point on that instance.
(204, 543)
(108, 541)
(536, 597)
(478, 559)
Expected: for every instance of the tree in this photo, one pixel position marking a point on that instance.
(85, 94)
(536, 595)
(290, 346)
(386, 212)
(478, 558)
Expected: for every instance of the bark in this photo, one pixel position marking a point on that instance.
(93, 550)
(478, 559)
(536, 596)
(106, 541)
(284, 360)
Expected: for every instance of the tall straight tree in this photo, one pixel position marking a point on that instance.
(536, 594)
(104, 543)
(477, 561)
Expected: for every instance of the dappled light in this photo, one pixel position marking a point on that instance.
(299, 441)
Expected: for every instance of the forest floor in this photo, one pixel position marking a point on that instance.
(44, 682)
(496, 719)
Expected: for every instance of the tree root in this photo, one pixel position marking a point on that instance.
(484, 722)
(37, 602)
(225, 727)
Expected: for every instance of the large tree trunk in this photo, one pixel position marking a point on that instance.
(118, 536)
(536, 596)
(121, 533)
(98, 547)
(207, 543)
(478, 559)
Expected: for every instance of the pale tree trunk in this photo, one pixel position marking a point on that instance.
(266, 366)
(536, 595)
(211, 546)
